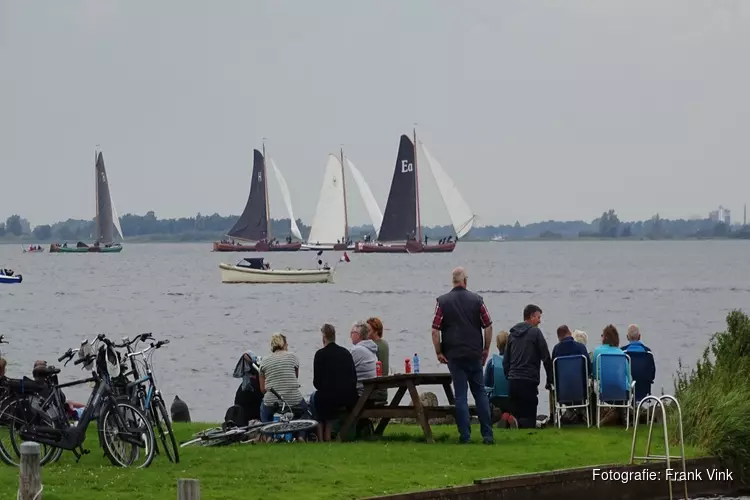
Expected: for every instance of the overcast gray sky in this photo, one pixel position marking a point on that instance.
(538, 109)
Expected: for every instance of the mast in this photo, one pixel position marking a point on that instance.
(96, 196)
(265, 185)
(416, 187)
(346, 211)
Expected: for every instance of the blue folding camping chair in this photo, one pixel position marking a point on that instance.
(614, 385)
(570, 388)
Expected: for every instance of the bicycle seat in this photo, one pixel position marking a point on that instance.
(25, 386)
(46, 371)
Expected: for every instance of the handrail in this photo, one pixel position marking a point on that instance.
(648, 457)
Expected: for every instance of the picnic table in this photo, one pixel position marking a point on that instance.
(403, 383)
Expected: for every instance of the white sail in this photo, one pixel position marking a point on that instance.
(287, 199)
(329, 223)
(459, 211)
(376, 216)
(116, 218)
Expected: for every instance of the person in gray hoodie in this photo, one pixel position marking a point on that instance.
(364, 353)
(525, 351)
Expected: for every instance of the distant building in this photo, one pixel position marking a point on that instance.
(721, 215)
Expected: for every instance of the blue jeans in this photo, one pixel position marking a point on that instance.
(467, 374)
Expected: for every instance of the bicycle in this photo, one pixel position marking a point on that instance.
(150, 401)
(219, 436)
(117, 421)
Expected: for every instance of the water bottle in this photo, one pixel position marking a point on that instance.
(379, 368)
(407, 365)
(415, 362)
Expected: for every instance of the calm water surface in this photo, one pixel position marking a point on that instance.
(678, 293)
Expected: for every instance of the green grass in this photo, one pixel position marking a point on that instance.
(399, 462)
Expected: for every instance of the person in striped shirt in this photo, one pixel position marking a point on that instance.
(280, 372)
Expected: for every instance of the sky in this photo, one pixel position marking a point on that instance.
(538, 110)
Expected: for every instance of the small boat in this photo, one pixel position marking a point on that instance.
(84, 248)
(106, 221)
(253, 228)
(255, 270)
(34, 249)
(401, 230)
(8, 277)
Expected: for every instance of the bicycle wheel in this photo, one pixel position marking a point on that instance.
(291, 426)
(163, 426)
(126, 436)
(14, 417)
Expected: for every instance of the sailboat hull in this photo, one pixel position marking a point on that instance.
(257, 247)
(409, 247)
(55, 248)
(336, 247)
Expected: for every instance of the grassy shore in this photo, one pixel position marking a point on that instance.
(399, 462)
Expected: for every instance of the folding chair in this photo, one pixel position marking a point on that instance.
(614, 385)
(500, 383)
(570, 388)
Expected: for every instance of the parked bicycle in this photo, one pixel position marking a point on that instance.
(288, 423)
(125, 434)
(142, 392)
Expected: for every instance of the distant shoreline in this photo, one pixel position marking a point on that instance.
(25, 243)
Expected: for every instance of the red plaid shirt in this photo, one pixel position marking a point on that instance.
(437, 320)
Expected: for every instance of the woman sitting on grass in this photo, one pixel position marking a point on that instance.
(280, 372)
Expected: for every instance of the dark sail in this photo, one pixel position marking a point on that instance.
(400, 217)
(105, 225)
(253, 223)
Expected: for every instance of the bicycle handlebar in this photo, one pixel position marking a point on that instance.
(68, 354)
(153, 346)
(2, 339)
(126, 342)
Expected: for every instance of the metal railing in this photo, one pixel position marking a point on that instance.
(648, 457)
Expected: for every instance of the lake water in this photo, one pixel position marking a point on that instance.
(677, 292)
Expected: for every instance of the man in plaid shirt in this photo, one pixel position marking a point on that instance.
(460, 317)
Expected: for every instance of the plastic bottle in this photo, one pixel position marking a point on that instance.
(379, 368)
(415, 362)
(407, 365)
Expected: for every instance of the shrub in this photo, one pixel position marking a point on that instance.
(715, 396)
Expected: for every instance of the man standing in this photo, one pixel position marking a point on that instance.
(525, 351)
(460, 315)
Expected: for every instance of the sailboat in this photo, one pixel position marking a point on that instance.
(106, 222)
(330, 227)
(254, 225)
(401, 230)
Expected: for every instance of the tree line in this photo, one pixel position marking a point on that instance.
(208, 227)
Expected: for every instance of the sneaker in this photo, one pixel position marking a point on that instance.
(488, 441)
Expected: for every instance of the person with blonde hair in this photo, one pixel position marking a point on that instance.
(580, 336)
(495, 382)
(280, 372)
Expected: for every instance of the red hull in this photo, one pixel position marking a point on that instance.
(258, 247)
(409, 247)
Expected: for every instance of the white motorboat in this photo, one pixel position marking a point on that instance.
(254, 270)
